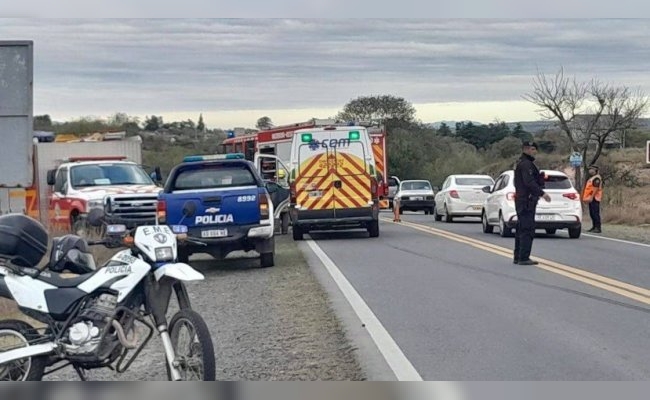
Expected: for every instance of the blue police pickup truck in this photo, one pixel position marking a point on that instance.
(225, 205)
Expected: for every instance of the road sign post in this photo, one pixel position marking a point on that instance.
(576, 159)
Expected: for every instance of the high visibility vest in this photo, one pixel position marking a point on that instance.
(592, 192)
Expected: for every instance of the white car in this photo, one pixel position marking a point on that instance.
(461, 196)
(564, 211)
(415, 195)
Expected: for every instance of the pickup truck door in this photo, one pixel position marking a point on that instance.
(281, 197)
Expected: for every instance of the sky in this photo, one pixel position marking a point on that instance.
(234, 71)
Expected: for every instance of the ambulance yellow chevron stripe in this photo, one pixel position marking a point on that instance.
(319, 173)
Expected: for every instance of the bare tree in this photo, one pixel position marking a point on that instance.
(589, 113)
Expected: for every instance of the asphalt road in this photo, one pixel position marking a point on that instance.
(459, 309)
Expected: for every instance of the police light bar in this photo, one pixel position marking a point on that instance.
(229, 156)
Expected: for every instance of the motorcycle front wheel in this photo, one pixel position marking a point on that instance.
(192, 345)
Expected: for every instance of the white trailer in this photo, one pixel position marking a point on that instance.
(16, 122)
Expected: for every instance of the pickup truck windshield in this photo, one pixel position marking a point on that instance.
(214, 177)
(106, 174)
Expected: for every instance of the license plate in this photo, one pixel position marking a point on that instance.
(214, 233)
(545, 217)
(417, 198)
(477, 207)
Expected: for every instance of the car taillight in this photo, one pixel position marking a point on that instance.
(454, 194)
(510, 196)
(161, 211)
(264, 206)
(571, 196)
(373, 186)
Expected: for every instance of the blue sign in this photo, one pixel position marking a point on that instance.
(575, 159)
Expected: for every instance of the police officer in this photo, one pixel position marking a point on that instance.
(529, 187)
(593, 194)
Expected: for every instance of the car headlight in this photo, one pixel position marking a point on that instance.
(95, 204)
(164, 254)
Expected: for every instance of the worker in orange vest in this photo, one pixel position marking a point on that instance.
(593, 194)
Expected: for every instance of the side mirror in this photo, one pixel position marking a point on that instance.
(487, 189)
(51, 177)
(189, 208)
(95, 217)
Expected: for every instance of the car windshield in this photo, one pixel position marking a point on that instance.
(557, 182)
(215, 177)
(416, 186)
(107, 174)
(474, 181)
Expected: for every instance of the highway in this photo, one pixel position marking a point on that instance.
(443, 301)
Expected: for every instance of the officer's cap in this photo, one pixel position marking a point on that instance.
(529, 143)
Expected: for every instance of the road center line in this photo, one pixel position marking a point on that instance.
(401, 366)
(624, 289)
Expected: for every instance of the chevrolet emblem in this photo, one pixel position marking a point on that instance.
(212, 210)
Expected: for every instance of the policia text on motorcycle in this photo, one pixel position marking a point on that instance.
(529, 187)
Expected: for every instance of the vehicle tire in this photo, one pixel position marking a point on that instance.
(551, 231)
(373, 229)
(487, 228)
(426, 211)
(574, 233)
(431, 210)
(448, 218)
(284, 223)
(266, 260)
(504, 231)
(25, 369)
(436, 216)
(183, 255)
(297, 232)
(201, 341)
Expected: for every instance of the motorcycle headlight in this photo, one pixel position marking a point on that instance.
(164, 254)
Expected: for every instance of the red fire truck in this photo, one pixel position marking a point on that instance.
(277, 141)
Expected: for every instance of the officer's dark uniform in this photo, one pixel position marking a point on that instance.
(529, 186)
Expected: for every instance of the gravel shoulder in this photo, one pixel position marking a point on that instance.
(267, 324)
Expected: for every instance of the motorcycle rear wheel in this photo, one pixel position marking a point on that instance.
(17, 334)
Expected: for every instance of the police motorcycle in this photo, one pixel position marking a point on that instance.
(100, 318)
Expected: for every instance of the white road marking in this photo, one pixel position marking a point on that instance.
(401, 366)
(617, 240)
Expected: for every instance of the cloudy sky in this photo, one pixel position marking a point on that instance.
(237, 70)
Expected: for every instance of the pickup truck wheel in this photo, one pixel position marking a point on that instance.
(297, 232)
(284, 223)
(266, 260)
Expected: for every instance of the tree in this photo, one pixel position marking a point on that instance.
(264, 123)
(153, 123)
(200, 126)
(42, 122)
(387, 109)
(444, 130)
(589, 113)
